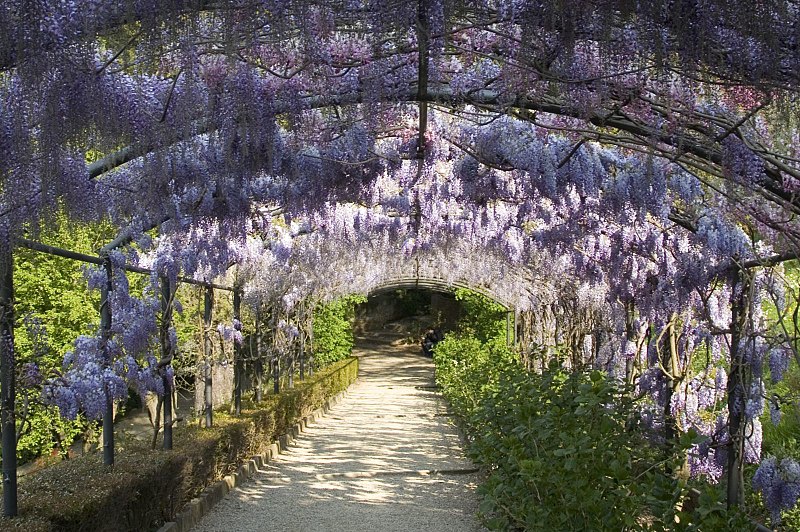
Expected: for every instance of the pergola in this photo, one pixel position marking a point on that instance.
(540, 134)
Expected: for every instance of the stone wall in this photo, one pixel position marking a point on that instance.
(379, 310)
(438, 308)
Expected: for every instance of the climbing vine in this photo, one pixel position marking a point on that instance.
(572, 159)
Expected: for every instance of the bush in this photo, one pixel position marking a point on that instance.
(333, 330)
(561, 455)
(561, 449)
(481, 317)
(555, 444)
(145, 488)
(467, 370)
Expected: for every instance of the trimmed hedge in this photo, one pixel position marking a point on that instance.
(145, 488)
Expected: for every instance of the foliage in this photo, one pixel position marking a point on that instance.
(413, 302)
(467, 371)
(481, 317)
(468, 362)
(146, 488)
(54, 307)
(560, 448)
(333, 329)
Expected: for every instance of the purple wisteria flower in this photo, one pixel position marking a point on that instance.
(779, 483)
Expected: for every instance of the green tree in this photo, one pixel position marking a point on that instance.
(52, 298)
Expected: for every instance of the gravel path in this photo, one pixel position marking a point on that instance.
(386, 458)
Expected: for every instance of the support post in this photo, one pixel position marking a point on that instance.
(630, 336)
(258, 361)
(423, 41)
(167, 351)
(516, 329)
(310, 341)
(167, 413)
(276, 372)
(670, 362)
(7, 381)
(105, 331)
(509, 333)
(302, 340)
(291, 355)
(738, 382)
(208, 367)
(238, 366)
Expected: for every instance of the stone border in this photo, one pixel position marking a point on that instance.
(200, 506)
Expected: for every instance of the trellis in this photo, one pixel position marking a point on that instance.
(7, 384)
(697, 143)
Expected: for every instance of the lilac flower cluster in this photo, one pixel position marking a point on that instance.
(231, 333)
(87, 381)
(311, 119)
(707, 461)
(779, 359)
(30, 375)
(779, 483)
(100, 369)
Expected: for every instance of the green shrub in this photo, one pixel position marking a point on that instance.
(333, 330)
(467, 370)
(481, 317)
(561, 450)
(145, 488)
(561, 456)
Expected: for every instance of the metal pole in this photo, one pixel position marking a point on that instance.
(208, 391)
(7, 393)
(276, 372)
(310, 338)
(737, 382)
(238, 369)
(166, 357)
(302, 339)
(105, 328)
(292, 355)
(91, 259)
(508, 328)
(258, 366)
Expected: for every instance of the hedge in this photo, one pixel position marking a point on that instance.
(146, 488)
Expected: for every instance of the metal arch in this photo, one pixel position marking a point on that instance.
(437, 285)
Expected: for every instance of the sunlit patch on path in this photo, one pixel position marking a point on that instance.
(388, 457)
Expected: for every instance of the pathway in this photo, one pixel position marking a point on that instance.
(386, 458)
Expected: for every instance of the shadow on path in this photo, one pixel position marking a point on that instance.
(386, 458)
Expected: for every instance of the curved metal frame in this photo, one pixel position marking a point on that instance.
(437, 285)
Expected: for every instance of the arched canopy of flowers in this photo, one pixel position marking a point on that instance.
(638, 159)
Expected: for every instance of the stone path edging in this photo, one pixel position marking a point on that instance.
(198, 507)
